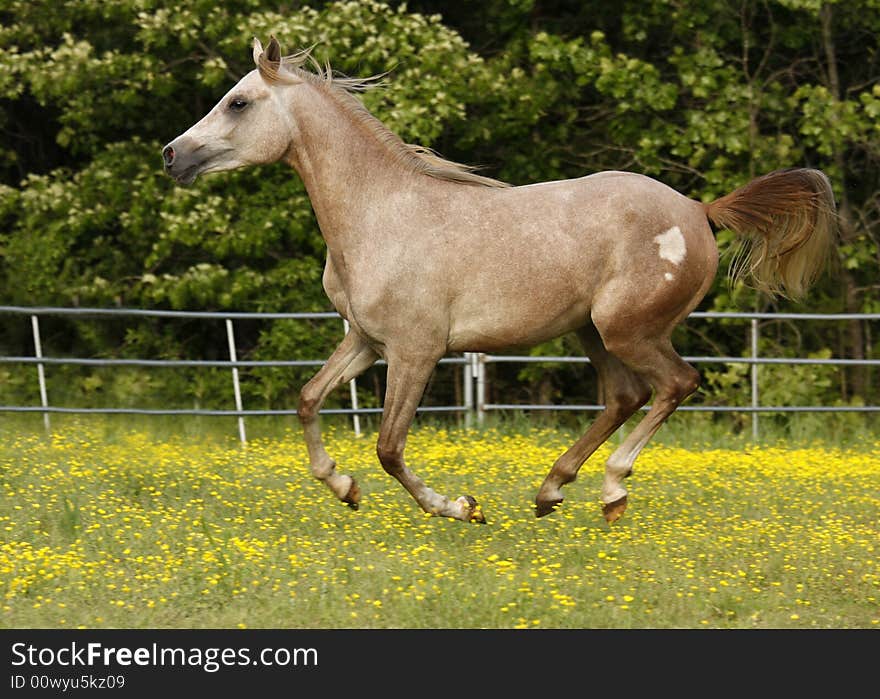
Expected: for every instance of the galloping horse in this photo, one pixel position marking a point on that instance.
(615, 257)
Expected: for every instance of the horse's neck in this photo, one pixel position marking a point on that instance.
(344, 165)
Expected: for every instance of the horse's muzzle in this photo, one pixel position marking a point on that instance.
(168, 156)
(181, 161)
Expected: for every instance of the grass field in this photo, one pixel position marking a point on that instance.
(108, 526)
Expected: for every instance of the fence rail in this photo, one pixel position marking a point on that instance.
(474, 377)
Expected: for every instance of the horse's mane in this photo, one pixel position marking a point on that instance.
(418, 159)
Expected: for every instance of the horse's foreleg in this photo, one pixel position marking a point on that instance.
(623, 393)
(673, 380)
(406, 382)
(351, 358)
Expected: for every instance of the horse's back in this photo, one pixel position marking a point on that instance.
(551, 252)
(620, 223)
(663, 258)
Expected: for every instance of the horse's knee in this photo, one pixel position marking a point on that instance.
(390, 456)
(308, 406)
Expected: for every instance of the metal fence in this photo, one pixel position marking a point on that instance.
(474, 375)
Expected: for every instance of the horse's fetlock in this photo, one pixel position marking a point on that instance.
(324, 469)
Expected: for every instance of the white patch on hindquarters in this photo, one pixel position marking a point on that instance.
(672, 245)
(668, 276)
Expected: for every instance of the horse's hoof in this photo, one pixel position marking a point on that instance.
(475, 514)
(545, 507)
(614, 510)
(353, 497)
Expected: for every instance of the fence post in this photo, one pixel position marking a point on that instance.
(755, 400)
(468, 379)
(481, 387)
(236, 387)
(355, 418)
(38, 349)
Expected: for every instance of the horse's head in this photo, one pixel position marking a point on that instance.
(249, 126)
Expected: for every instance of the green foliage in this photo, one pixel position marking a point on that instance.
(702, 94)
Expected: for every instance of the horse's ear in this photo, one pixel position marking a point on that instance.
(258, 51)
(273, 52)
(268, 61)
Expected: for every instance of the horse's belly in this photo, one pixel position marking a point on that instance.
(500, 326)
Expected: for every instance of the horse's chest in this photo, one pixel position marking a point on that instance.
(335, 289)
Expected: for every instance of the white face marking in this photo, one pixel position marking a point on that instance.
(668, 276)
(672, 245)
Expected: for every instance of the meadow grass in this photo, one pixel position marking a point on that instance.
(110, 524)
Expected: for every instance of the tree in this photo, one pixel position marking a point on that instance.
(702, 94)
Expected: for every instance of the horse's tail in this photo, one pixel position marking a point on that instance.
(787, 223)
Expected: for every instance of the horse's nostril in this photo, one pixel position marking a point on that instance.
(168, 156)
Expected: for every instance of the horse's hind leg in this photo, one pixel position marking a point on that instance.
(350, 359)
(673, 380)
(407, 378)
(623, 393)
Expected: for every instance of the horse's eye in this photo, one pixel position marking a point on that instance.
(237, 105)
